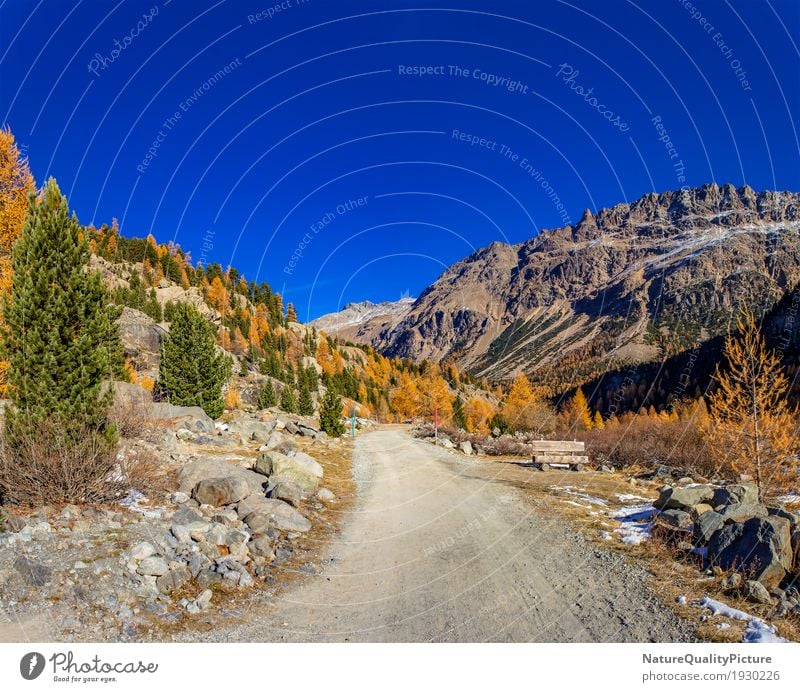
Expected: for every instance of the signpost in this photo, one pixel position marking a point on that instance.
(353, 421)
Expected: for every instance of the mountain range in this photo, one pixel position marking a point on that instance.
(633, 283)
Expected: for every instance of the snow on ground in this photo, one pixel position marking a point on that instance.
(756, 632)
(572, 491)
(626, 497)
(636, 523)
(134, 501)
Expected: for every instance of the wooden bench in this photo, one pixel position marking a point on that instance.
(550, 453)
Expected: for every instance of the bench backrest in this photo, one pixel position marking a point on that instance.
(557, 446)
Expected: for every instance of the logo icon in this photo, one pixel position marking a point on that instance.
(31, 665)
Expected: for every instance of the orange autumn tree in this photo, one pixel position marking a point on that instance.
(524, 409)
(576, 415)
(16, 183)
(751, 428)
(406, 397)
(434, 397)
(478, 412)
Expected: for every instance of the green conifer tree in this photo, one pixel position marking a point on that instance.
(288, 400)
(193, 371)
(266, 396)
(459, 417)
(60, 336)
(305, 404)
(330, 414)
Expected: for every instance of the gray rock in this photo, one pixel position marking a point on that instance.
(208, 577)
(190, 417)
(325, 495)
(742, 494)
(153, 566)
(732, 582)
(291, 428)
(263, 464)
(182, 533)
(184, 434)
(219, 492)
(281, 443)
(466, 447)
(203, 601)
(179, 498)
(32, 573)
(741, 513)
(683, 498)
(174, 579)
(676, 519)
(300, 469)
(210, 467)
(142, 550)
(706, 525)
(198, 562)
(287, 491)
(261, 546)
(307, 430)
(275, 513)
(755, 591)
(185, 516)
(759, 548)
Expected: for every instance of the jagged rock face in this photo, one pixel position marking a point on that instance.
(678, 263)
(364, 322)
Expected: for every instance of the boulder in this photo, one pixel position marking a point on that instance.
(142, 550)
(702, 508)
(756, 592)
(139, 332)
(675, 518)
(760, 548)
(190, 417)
(185, 515)
(212, 467)
(261, 514)
(281, 443)
(219, 492)
(253, 429)
(288, 492)
(13, 523)
(263, 464)
(743, 493)
(466, 447)
(325, 495)
(261, 546)
(300, 469)
(706, 525)
(739, 513)
(291, 428)
(683, 498)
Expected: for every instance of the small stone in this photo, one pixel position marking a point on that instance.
(14, 524)
(153, 566)
(32, 573)
(182, 533)
(142, 550)
(173, 580)
(325, 495)
(179, 498)
(204, 599)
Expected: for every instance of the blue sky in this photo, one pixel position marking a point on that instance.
(352, 150)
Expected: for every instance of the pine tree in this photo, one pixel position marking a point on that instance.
(305, 404)
(330, 414)
(192, 371)
(291, 314)
(459, 417)
(60, 336)
(266, 396)
(288, 400)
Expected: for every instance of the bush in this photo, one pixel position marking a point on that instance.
(53, 464)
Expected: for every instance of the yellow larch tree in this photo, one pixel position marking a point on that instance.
(478, 412)
(751, 429)
(524, 409)
(406, 397)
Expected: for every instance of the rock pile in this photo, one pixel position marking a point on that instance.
(758, 544)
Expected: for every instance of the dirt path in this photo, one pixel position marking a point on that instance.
(433, 553)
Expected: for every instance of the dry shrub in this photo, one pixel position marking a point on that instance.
(646, 440)
(132, 418)
(143, 470)
(57, 463)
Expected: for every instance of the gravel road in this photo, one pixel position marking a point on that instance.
(431, 553)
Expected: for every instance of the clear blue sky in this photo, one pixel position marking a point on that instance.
(378, 142)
